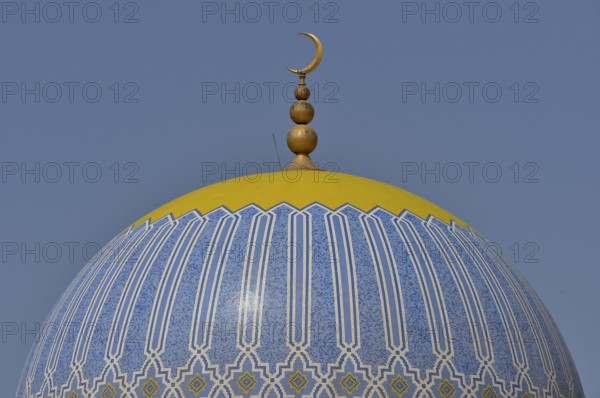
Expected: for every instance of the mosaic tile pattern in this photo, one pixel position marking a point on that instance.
(299, 302)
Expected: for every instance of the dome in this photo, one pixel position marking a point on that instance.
(300, 284)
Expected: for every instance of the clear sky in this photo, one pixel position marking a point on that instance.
(489, 109)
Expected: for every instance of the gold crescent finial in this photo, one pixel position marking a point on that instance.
(316, 59)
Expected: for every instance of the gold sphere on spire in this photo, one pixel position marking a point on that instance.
(302, 93)
(302, 139)
(302, 112)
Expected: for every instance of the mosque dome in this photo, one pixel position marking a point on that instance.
(300, 283)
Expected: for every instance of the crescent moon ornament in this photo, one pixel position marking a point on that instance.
(316, 59)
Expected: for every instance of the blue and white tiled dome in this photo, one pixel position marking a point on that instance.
(274, 286)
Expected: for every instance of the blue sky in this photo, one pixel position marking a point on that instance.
(489, 109)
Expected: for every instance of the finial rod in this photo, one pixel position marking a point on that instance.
(302, 139)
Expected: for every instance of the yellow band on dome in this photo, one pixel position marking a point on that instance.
(301, 188)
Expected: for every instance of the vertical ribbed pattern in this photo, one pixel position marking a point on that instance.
(300, 302)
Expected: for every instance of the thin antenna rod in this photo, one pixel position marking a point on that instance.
(277, 151)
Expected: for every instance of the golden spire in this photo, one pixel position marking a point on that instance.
(302, 139)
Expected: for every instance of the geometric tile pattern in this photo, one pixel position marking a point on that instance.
(299, 302)
(246, 382)
(350, 383)
(488, 392)
(108, 391)
(298, 381)
(400, 386)
(196, 385)
(446, 389)
(150, 388)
